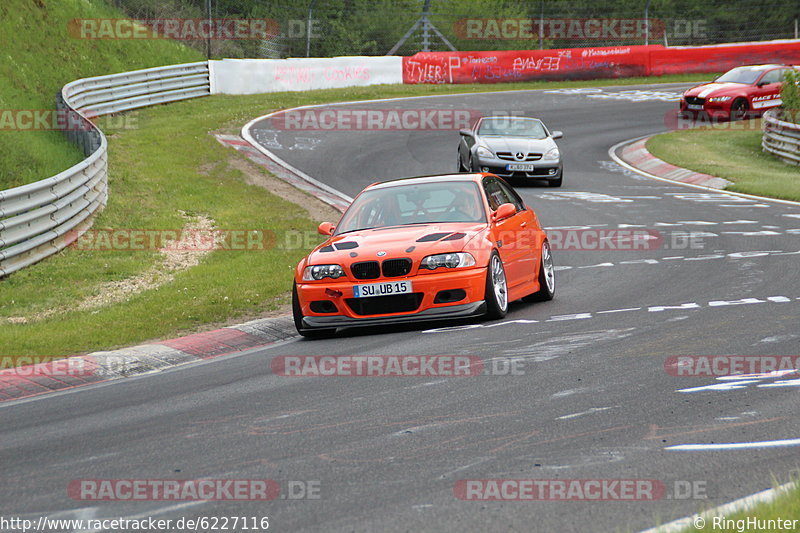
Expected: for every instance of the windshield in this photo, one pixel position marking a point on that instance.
(747, 75)
(421, 203)
(513, 127)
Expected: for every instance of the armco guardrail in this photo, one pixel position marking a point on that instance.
(781, 139)
(41, 218)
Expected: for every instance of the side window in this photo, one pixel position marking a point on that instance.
(514, 198)
(494, 192)
(773, 76)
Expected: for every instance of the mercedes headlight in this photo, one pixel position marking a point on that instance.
(318, 272)
(451, 260)
(551, 155)
(484, 152)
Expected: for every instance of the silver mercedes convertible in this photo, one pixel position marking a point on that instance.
(511, 147)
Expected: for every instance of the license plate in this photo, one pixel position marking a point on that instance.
(382, 289)
(695, 107)
(521, 166)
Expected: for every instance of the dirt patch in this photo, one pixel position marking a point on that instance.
(173, 259)
(315, 208)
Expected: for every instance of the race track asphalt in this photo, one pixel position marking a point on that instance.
(594, 400)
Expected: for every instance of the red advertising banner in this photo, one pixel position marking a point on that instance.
(699, 59)
(589, 63)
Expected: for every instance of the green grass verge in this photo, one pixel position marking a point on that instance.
(167, 164)
(38, 57)
(786, 506)
(731, 151)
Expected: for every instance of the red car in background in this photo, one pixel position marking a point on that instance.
(739, 93)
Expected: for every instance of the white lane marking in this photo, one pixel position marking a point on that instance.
(470, 465)
(154, 512)
(597, 265)
(653, 261)
(582, 195)
(724, 386)
(782, 383)
(737, 506)
(651, 309)
(735, 445)
(750, 233)
(791, 216)
(582, 413)
(619, 310)
(612, 154)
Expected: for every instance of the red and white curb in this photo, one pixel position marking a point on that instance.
(96, 367)
(636, 155)
(286, 172)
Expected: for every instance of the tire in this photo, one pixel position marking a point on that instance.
(547, 279)
(496, 294)
(739, 109)
(460, 166)
(297, 314)
(556, 182)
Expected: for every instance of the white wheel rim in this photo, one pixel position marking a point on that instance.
(549, 269)
(499, 283)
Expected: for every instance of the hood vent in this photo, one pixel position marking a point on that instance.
(432, 237)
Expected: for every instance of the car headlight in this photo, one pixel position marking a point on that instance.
(719, 98)
(484, 152)
(551, 155)
(318, 272)
(451, 260)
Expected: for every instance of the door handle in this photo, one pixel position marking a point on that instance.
(523, 224)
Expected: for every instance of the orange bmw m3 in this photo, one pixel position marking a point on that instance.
(425, 248)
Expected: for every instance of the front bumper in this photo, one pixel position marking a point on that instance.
(711, 110)
(543, 170)
(472, 281)
(434, 313)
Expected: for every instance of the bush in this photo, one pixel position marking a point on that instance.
(790, 95)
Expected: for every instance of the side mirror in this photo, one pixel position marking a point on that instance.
(557, 134)
(762, 83)
(504, 211)
(326, 228)
(465, 132)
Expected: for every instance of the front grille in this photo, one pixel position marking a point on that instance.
(509, 156)
(379, 305)
(695, 100)
(366, 270)
(396, 267)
